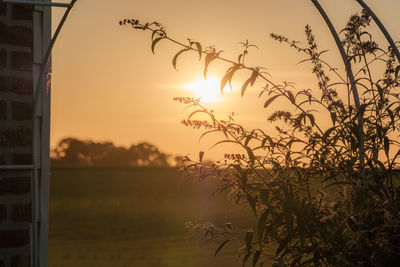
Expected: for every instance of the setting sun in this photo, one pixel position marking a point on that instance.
(208, 90)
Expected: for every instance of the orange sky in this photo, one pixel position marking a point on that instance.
(107, 85)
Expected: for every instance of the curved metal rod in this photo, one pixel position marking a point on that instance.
(347, 64)
(382, 28)
(46, 59)
(349, 73)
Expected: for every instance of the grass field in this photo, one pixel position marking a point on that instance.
(133, 217)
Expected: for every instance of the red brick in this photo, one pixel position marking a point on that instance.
(16, 85)
(21, 158)
(21, 86)
(3, 213)
(21, 61)
(22, 12)
(3, 11)
(3, 110)
(21, 111)
(5, 83)
(3, 59)
(15, 137)
(14, 238)
(16, 35)
(15, 185)
(20, 261)
(21, 212)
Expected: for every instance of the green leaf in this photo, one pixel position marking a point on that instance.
(201, 155)
(249, 238)
(397, 71)
(240, 58)
(208, 132)
(228, 76)
(250, 81)
(282, 244)
(391, 118)
(246, 257)
(155, 41)
(244, 86)
(252, 203)
(386, 145)
(253, 77)
(270, 100)
(291, 97)
(196, 111)
(199, 49)
(256, 257)
(177, 55)
(333, 118)
(312, 119)
(328, 132)
(153, 34)
(223, 141)
(209, 57)
(221, 246)
(261, 226)
(248, 138)
(250, 153)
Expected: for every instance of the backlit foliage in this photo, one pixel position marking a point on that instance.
(323, 196)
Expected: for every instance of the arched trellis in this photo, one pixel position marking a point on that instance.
(347, 64)
(40, 159)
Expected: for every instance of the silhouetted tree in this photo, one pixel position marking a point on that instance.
(75, 152)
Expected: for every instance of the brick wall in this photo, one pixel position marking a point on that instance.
(16, 87)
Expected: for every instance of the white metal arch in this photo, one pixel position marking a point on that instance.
(43, 44)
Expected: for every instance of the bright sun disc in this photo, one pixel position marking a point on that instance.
(208, 90)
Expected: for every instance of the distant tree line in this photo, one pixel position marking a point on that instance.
(75, 152)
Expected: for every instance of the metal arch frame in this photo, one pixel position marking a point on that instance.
(347, 64)
(41, 160)
(40, 169)
(382, 28)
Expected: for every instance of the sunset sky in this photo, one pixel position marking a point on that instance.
(108, 86)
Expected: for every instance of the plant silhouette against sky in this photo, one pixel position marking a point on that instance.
(321, 195)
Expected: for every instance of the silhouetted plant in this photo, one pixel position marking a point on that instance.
(320, 195)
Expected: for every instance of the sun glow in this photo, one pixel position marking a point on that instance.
(208, 90)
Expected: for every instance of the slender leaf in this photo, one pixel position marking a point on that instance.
(270, 100)
(221, 246)
(155, 41)
(228, 77)
(386, 145)
(256, 257)
(282, 244)
(250, 81)
(253, 204)
(291, 97)
(251, 154)
(246, 257)
(199, 49)
(209, 57)
(249, 238)
(247, 140)
(333, 117)
(177, 55)
(194, 112)
(261, 226)
(201, 155)
(223, 141)
(312, 119)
